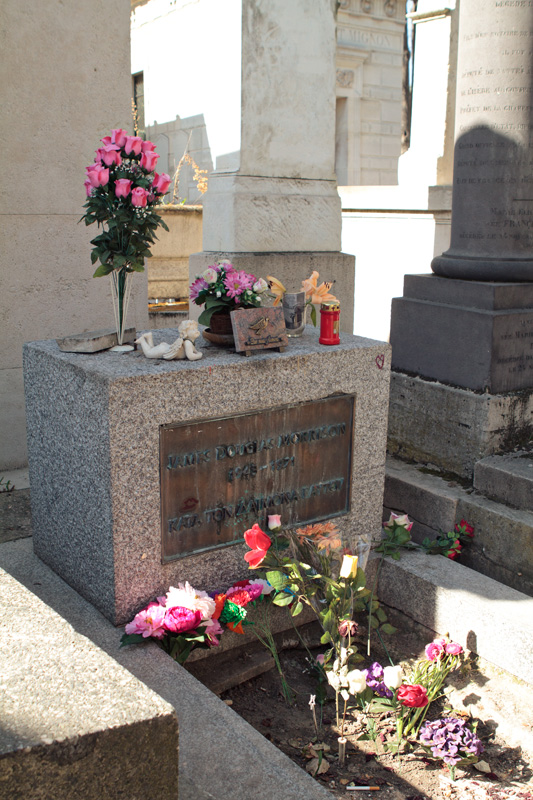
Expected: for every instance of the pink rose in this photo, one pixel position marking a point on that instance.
(161, 183)
(274, 522)
(453, 649)
(434, 650)
(180, 620)
(148, 146)
(400, 520)
(133, 144)
(97, 175)
(119, 136)
(110, 155)
(122, 187)
(149, 160)
(88, 187)
(138, 197)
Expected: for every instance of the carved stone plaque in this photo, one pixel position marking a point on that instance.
(220, 476)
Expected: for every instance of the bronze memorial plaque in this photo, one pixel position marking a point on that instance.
(220, 476)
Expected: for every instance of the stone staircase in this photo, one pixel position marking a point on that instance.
(485, 602)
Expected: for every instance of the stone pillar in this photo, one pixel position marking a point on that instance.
(492, 205)
(279, 213)
(469, 325)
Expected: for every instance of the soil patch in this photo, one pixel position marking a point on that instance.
(499, 702)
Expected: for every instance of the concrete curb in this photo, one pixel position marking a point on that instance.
(220, 755)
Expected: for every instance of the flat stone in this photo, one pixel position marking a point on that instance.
(481, 614)
(459, 333)
(207, 768)
(72, 716)
(454, 428)
(15, 514)
(507, 479)
(94, 341)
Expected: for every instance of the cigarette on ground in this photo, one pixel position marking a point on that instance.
(362, 788)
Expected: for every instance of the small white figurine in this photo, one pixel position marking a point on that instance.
(183, 347)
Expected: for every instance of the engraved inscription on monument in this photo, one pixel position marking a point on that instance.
(220, 476)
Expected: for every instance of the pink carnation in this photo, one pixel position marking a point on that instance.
(148, 622)
(179, 619)
(453, 649)
(434, 650)
(237, 282)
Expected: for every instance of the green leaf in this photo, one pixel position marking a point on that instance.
(277, 579)
(328, 620)
(103, 269)
(380, 614)
(283, 600)
(297, 609)
(131, 638)
(388, 628)
(325, 638)
(313, 315)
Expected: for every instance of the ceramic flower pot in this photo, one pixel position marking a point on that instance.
(220, 324)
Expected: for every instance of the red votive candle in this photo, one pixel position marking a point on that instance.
(329, 322)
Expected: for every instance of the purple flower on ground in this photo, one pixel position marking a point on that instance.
(374, 680)
(450, 739)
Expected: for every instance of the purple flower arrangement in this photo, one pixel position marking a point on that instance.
(221, 288)
(451, 740)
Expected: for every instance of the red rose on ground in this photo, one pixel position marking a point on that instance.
(412, 696)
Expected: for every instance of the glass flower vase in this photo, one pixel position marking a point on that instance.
(121, 294)
(294, 308)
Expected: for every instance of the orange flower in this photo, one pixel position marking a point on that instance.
(314, 293)
(220, 599)
(276, 288)
(324, 535)
(235, 628)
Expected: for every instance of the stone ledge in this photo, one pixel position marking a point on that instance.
(72, 716)
(493, 620)
(507, 479)
(217, 747)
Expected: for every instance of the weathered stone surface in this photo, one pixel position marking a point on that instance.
(454, 428)
(94, 341)
(72, 716)
(493, 620)
(492, 208)
(507, 479)
(15, 515)
(473, 337)
(204, 720)
(502, 547)
(93, 432)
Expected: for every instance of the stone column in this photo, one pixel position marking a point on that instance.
(279, 213)
(466, 330)
(492, 205)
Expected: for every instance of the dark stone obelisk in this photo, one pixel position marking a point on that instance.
(492, 205)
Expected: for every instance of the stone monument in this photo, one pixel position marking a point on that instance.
(148, 472)
(279, 213)
(469, 326)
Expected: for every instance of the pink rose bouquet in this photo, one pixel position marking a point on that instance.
(122, 189)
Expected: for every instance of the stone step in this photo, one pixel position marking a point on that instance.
(72, 716)
(484, 616)
(507, 479)
(502, 547)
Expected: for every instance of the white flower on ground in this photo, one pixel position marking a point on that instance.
(356, 681)
(393, 676)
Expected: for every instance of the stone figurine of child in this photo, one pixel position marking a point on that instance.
(183, 347)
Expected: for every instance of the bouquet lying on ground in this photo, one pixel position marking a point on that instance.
(398, 535)
(222, 288)
(186, 618)
(122, 189)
